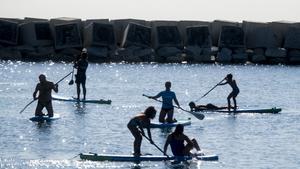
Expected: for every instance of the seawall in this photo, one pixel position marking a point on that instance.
(133, 40)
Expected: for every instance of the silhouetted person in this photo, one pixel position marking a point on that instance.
(44, 98)
(136, 125)
(235, 90)
(209, 106)
(181, 145)
(81, 65)
(167, 104)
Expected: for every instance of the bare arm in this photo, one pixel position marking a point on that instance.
(220, 84)
(35, 92)
(55, 87)
(176, 101)
(167, 144)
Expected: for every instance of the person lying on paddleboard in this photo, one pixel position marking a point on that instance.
(136, 125)
(44, 99)
(167, 104)
(181, 145)
(209, 106)
(235, 90)
(81, 65)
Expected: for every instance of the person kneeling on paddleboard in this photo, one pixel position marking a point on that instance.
(44, 99)
(136, 125)
(177, 141)
(167, 107)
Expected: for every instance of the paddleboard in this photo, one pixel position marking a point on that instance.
(71, 99)
(271, 110)
(111, 157)
(168, 125)
(45, 118)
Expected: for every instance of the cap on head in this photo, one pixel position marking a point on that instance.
(150, 112)
(84, 50)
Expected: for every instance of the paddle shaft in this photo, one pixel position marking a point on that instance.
(197, 115)
(35, 100)
(209, 90)
(154, 144)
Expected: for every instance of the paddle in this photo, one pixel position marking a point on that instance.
(209, 90)
(197, 115)
(154, 144)
(35, 100)
(72, 81)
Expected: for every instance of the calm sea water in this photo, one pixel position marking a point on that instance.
(241, 141)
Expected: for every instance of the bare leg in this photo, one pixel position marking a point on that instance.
(196, 145)
(162, 116)
(49, 108)
(78, 90)
(234, 101)
(170, 116)
(84, 90)
(137, 140)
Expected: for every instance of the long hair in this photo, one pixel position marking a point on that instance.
(150, 112)
(179, 129)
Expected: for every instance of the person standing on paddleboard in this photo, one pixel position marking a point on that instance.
(136, 125)
(167, 104)
(177, 141)
(234, 93)
(44, 99)
(80, 78)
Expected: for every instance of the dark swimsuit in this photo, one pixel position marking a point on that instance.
(177, 147)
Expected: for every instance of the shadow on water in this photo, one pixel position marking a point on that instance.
(80, 108)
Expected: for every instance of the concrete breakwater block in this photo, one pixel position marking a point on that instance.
(216, 27)
(167, 36)
(99, 34)
(121, 24)
(198, 36)
(36, 33)
(136, 35)
(292, 38)
(259, 35)
(280, 28)
(66, 32)
(184, 24)
(9, 32)
(232, 37)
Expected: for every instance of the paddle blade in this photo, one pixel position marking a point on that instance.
(198, 115)
(71, 82)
